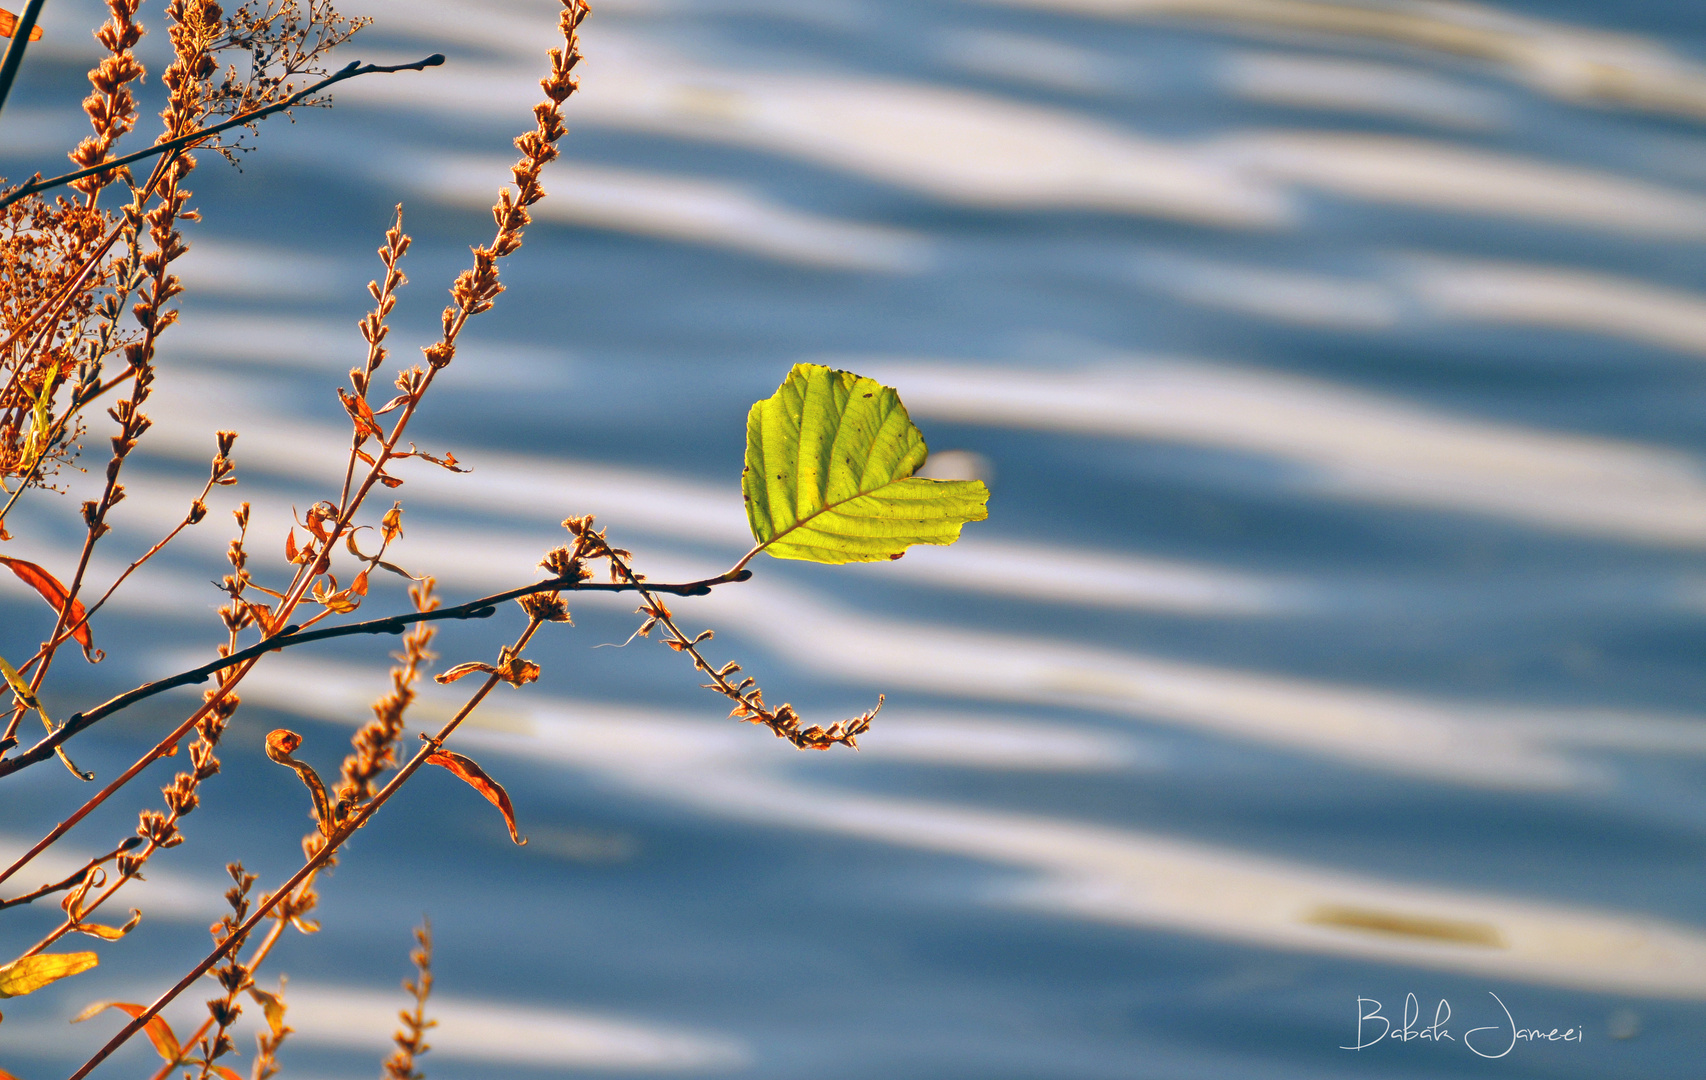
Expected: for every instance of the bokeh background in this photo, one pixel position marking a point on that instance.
(1336, 631)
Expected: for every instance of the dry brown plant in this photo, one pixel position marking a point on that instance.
(82, 286)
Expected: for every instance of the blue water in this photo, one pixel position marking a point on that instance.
(1360, 468)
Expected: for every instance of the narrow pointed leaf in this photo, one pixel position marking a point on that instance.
(9, 25)
(829, 470)
(158, 1031)
(21, 690)
(31, 973)
(469, 770)
(54, 593)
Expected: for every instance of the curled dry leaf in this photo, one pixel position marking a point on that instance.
(281, 743)
(55, 593)
(362, 413)
(460, 670)
(159, 1032)
(73, 902)
(470, 772)
(110, 933)
(31, 973)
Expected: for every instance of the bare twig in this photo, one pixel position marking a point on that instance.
(349, 71)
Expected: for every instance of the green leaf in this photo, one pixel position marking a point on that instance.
(31, 973)
(828, 477)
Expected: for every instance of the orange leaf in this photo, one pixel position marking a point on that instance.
(54, 593)
(159, 1032)
(9, 23)
(476, 778)
(4, 1075)
(228, 1074)
(360, 412)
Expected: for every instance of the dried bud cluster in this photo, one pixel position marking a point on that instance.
(232, 974)
(476, 289)
(410, 1037)
(111, 105)
(748, 698)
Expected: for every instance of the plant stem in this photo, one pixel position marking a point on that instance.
(343, 833)
(393, 624)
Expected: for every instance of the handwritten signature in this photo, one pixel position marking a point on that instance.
(1438, 1032)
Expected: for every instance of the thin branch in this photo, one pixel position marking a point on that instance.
(349, 71)
(294, 635)
(75, 879)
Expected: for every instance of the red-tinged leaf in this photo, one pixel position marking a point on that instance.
(392, 404)
(390, 481)
(290, 551)
(360, 412)
(470, 772)
(228, 1074)
(159, 1032)
(365, 456)
(54, 593)
(359, 585)
(4, 1075)
(9, 26)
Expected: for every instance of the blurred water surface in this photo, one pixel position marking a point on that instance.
(1336, 632)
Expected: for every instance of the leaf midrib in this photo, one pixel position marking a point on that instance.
(827, 507)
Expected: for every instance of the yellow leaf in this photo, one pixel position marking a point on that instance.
(31, 973)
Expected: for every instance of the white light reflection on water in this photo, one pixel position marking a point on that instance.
(920, 190)
(1084, 871)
